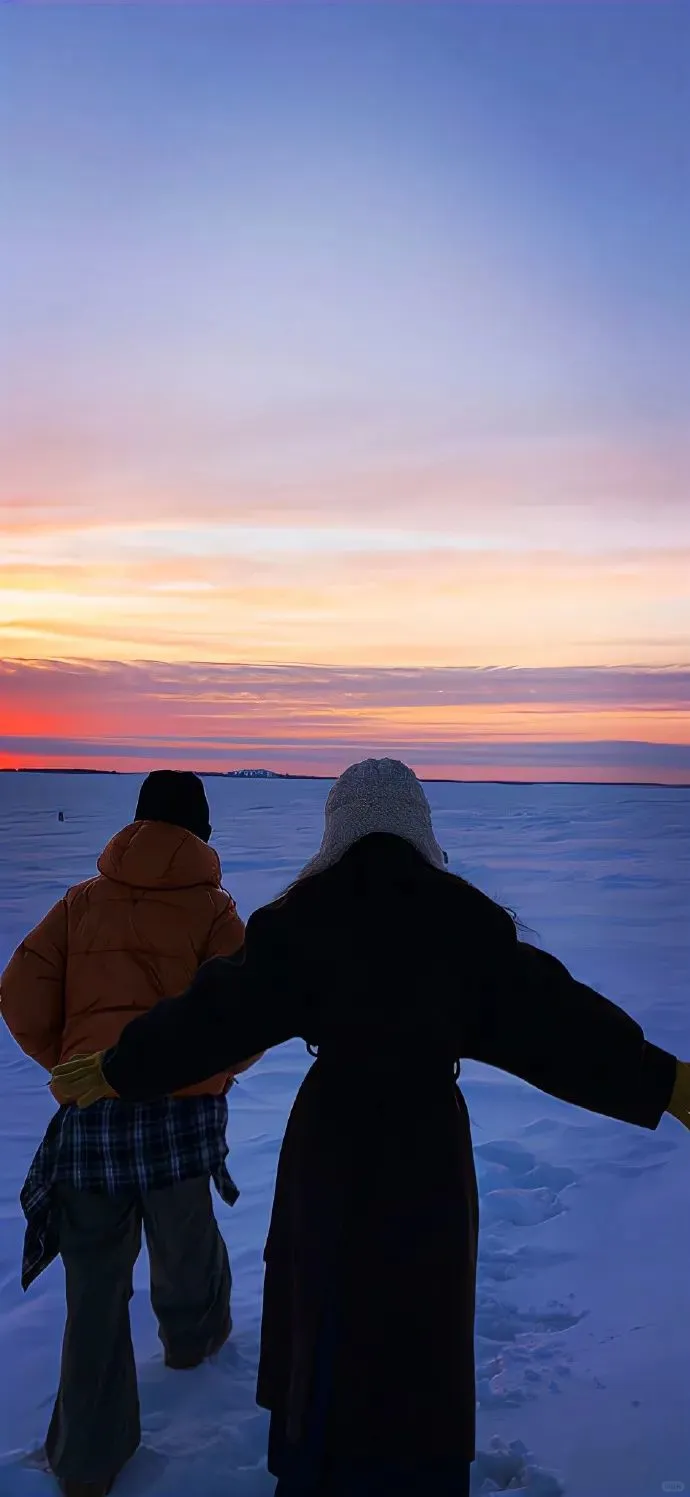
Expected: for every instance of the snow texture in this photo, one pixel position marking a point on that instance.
(583, 1292)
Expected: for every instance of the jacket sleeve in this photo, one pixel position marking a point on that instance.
(32, 989)
(226, 938)
(235, 1008)
(539, 1023)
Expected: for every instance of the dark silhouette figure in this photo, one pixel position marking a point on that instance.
(392, 970)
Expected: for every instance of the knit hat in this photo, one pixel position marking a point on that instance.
(377, 795)
(176, 796)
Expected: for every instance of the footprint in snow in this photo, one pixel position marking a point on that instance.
(516, 1350)
(512, 1156)
(511, 1468)
(521, 1208)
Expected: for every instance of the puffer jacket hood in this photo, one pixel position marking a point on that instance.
(117, 944)
(157, 855)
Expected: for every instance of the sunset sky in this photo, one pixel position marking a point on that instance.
(345, 378)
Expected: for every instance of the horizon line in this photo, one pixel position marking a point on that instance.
(230, 774)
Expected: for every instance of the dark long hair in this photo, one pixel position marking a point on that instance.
(380, 870)
(381, 862)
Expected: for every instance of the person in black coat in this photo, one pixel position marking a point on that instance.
(393, 971)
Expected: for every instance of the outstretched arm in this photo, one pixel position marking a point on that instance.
(234, 1008)
(539, 1023)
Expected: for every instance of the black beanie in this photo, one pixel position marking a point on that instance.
(177, 796)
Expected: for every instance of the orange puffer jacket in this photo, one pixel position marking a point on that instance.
(117, 944)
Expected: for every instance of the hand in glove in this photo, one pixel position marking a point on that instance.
(81, 1079)
(679, 1105)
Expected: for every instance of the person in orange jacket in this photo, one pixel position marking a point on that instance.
(106, 953)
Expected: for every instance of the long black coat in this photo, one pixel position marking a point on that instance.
(375, 1214)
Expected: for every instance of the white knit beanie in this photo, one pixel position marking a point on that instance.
(378, 795)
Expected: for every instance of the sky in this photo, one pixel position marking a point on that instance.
(345, 385)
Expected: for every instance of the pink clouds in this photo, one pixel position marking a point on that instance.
(516, 724)
(272, 470)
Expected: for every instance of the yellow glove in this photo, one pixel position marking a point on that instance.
(81, 1079)
(679, 1105)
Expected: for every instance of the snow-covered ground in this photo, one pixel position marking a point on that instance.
(584, 1287)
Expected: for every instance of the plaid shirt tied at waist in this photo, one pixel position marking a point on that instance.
(116, 1146)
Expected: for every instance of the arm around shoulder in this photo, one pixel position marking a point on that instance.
(235, 1008)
